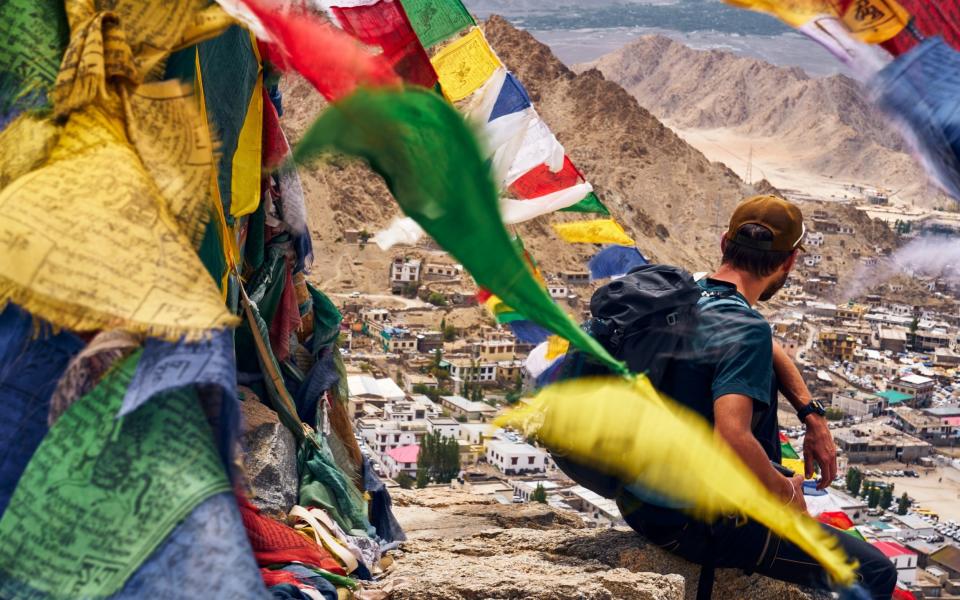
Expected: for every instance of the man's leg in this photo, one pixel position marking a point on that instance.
(751, 547)
(785, 561)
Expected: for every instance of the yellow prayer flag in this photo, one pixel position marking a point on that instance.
(794, 464)
(596, 231)
(464, 65)
(101, 232)
(245, 186)
(870, 21)
(627, 429)
(556, 347)
(875, 21)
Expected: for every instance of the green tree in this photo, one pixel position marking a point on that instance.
(539, 494)
(903, 504)
(449, 333)
(854, 480)
(873, 499)
(423, 478)
(437, 299)
(886, 497)
(404, 480)
(437, 357)
(439, 458)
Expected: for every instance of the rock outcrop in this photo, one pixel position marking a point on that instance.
(269, 458)
(467, 547)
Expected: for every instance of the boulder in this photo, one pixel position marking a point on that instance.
(269, 457)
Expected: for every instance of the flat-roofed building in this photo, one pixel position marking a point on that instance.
(514, 458)
(923, 426)
(458, 406)
(918, 386)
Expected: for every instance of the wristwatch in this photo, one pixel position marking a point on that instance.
(814, 407)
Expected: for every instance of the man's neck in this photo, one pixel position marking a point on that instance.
(746, 284)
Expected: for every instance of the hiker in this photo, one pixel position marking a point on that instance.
(732, 378)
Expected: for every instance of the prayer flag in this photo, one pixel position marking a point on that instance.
(920, 92)
(464, 65)
(590, 204)
(328, 58)
(787, 451)
(599, 231)
(518, 211)
(614, 261)
(95, 265)
(208, 555)
(838, 519)
(35, 36)
(433, 166)
(528, 332)
(538, 147)
(133, 479)
(166, 366)
(384, 24)
(930, 19)
(541, 181)
(513, 98)
(870, 21)
(437, 20)
(627, 429)
(30, 366)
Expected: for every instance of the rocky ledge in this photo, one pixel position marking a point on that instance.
(468, 547)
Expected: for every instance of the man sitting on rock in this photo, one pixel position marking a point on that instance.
(733, 381)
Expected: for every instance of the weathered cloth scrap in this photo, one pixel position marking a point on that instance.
(167, 366)
(30, 365)
(102, 493)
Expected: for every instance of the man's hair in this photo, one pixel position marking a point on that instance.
(759, 263)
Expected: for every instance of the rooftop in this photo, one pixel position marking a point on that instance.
(405, 454)
(948, 556)
(468, 405)
(893, 397)
(891, 549)
(503, 447)
(366, 385)
(944, 411)
(916, 379)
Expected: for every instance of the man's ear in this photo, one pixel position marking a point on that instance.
(723, 243)
(788, 265)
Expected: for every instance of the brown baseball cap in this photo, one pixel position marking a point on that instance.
(783, 219)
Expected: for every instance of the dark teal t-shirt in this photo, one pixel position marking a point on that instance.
(732, 354)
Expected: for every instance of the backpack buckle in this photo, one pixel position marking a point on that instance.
(672, 319)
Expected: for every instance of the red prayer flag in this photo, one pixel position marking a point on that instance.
(783, 438)
(838, 519)
(328, 58)
(385, 24)
(902, 594)
(275, 146)
(540, 181)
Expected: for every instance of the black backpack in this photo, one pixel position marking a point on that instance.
(646, 319)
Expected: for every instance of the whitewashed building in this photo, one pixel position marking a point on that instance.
(514, 458)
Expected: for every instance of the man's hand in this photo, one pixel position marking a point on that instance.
(818, 447)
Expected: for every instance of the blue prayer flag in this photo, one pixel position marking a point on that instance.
(513, 98)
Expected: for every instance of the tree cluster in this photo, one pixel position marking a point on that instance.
(438, 460)
(903, 504)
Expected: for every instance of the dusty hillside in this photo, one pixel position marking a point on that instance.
(664, 191)
(820, 125)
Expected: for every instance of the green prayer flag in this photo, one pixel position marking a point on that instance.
(590, 204)
(787, 451)
(432, 164)
(101, 493)
(35, 36)
(436, 20)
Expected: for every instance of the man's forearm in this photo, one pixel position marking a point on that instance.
(751, 453)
